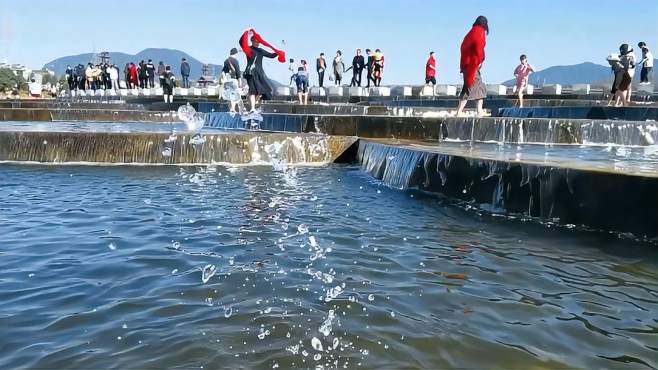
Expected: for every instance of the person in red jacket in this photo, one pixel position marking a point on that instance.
(133, 75)
(472, 57)
(430, 70)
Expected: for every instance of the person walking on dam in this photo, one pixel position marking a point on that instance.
(369, 64)
(472, 57)
(185, 73)
(150, 73)
(430, 70)
(627, 61)
(321, 67)
(231, 73)
(338, 67)
(169, 85)
(521, 73)
(646, 63)
(259, 85)
(378, 67)
(161, 72)
(69, 78)
(358, 63)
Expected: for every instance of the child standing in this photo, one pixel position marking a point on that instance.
(521, 73)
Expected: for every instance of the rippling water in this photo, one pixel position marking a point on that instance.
(105, 268)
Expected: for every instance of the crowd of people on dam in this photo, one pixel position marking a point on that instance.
(472, 56)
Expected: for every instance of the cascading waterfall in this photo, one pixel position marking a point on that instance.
(149, 148)
(556, 194)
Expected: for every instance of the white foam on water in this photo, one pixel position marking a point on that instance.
(208, 272)
(317, 344)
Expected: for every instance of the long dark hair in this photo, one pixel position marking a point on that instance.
(482, 21)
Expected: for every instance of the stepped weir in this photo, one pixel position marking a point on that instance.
(570, 164)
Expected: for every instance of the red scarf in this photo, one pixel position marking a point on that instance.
(244, 44)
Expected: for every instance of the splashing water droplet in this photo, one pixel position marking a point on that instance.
(228, 311)
(317, 345)
(371, 297)
(317, 357)
(208, 272)
(392, 314)
(293, 349)
(336, 343)
(302, 229)
(112, 246)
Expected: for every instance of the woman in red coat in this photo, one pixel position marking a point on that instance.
(133, 75)
(472, 57)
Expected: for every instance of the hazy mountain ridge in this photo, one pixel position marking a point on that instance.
(583, 73)
(170, 57)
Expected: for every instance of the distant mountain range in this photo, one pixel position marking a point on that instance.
(168, 56)
(584, 73)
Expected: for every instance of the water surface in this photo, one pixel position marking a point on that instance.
(105, 268)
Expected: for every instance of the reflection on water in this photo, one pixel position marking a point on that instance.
(301, 267)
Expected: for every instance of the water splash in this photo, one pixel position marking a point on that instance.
(208, 272)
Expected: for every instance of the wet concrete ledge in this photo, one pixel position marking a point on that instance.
(85, 114)
(148, 148)
(489, 129)
(602, 113)
(598, 200)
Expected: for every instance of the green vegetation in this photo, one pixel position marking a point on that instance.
(8, 80)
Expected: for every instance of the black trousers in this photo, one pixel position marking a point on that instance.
(356, 77)
(321, 78)
(151, 81)
(645, 73)
(370, 78)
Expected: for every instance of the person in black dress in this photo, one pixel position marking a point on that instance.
(259, 84)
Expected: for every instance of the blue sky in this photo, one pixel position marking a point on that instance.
(550, 32)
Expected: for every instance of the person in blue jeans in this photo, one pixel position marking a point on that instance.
(185, 73)
(302, 85)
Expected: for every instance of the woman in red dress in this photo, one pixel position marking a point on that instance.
(472, 57)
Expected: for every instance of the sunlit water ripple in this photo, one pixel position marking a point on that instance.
(105, 268)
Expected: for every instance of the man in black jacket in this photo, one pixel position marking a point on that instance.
(150, 71)
(358, 63)
(321, 66)
(79, 73)
(369, 66)
(185, 73)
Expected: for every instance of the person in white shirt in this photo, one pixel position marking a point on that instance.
(646, 63)
(292, 67)
(114, 76)
(35, 89)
